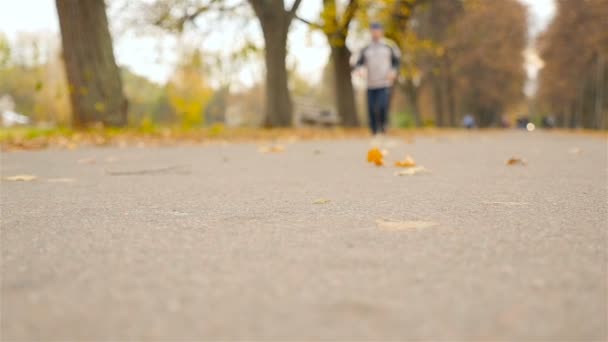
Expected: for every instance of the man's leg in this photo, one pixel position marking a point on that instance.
(382, 105)
(372, 104)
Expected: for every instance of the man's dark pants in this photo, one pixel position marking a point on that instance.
(377, 104)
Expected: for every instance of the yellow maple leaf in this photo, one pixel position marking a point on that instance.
(375, 156)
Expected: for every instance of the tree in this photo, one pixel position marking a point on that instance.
(34, 77)
(413, 49)
(275, 21)
(435, 19)
(5, 51)
(95, 84)
(335, 27)
(574, 80)
(188, 92)
(486, 63)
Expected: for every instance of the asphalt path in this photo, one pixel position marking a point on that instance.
(312, 243)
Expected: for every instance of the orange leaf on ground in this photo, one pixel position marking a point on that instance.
(375, 156)
(517, 161)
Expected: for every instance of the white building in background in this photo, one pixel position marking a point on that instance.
(8, 115)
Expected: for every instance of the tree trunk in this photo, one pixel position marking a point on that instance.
(95, 85)
(449, 93)
(410, 91)
(275, 22)
(279, 108)
(345, 95)
(438, 100)
(599, 94)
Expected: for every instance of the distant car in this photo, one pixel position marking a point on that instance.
(10, 118)
(323, 118)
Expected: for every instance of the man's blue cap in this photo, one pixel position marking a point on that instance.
(376, 26)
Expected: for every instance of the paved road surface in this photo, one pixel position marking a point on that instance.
(223, 242)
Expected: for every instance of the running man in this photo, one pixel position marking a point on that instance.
(382, 63)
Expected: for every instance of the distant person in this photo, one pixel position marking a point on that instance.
(382, 63)
(548, 122)
(522, 122)
(468, 121)
(504, 122)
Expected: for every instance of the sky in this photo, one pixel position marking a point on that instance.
(155, 57)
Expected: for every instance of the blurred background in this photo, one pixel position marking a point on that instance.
(238, 63)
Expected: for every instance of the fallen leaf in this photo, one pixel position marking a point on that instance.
(21, 178)
(321, 201)
(393, 225)
(90, 160)
(412, 171)
(271, 149)
(407, 162)
(61, 180)
(517, 161)
(375, 156)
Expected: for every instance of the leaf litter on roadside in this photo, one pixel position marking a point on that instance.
(397, 225)
(21, 178)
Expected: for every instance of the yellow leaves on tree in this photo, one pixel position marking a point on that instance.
(189, 94)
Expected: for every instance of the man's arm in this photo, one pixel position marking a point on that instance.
(360, 61)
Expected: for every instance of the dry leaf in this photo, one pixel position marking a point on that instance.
(271, 149)
(388, 224)
(412, 171)
(321, 201)
(21, 178)
(517, 161)
(90, 160)
(407, 162)
(375, 156)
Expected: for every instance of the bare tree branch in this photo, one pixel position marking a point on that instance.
(349, 14)
(316, 26)
(294, 9)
